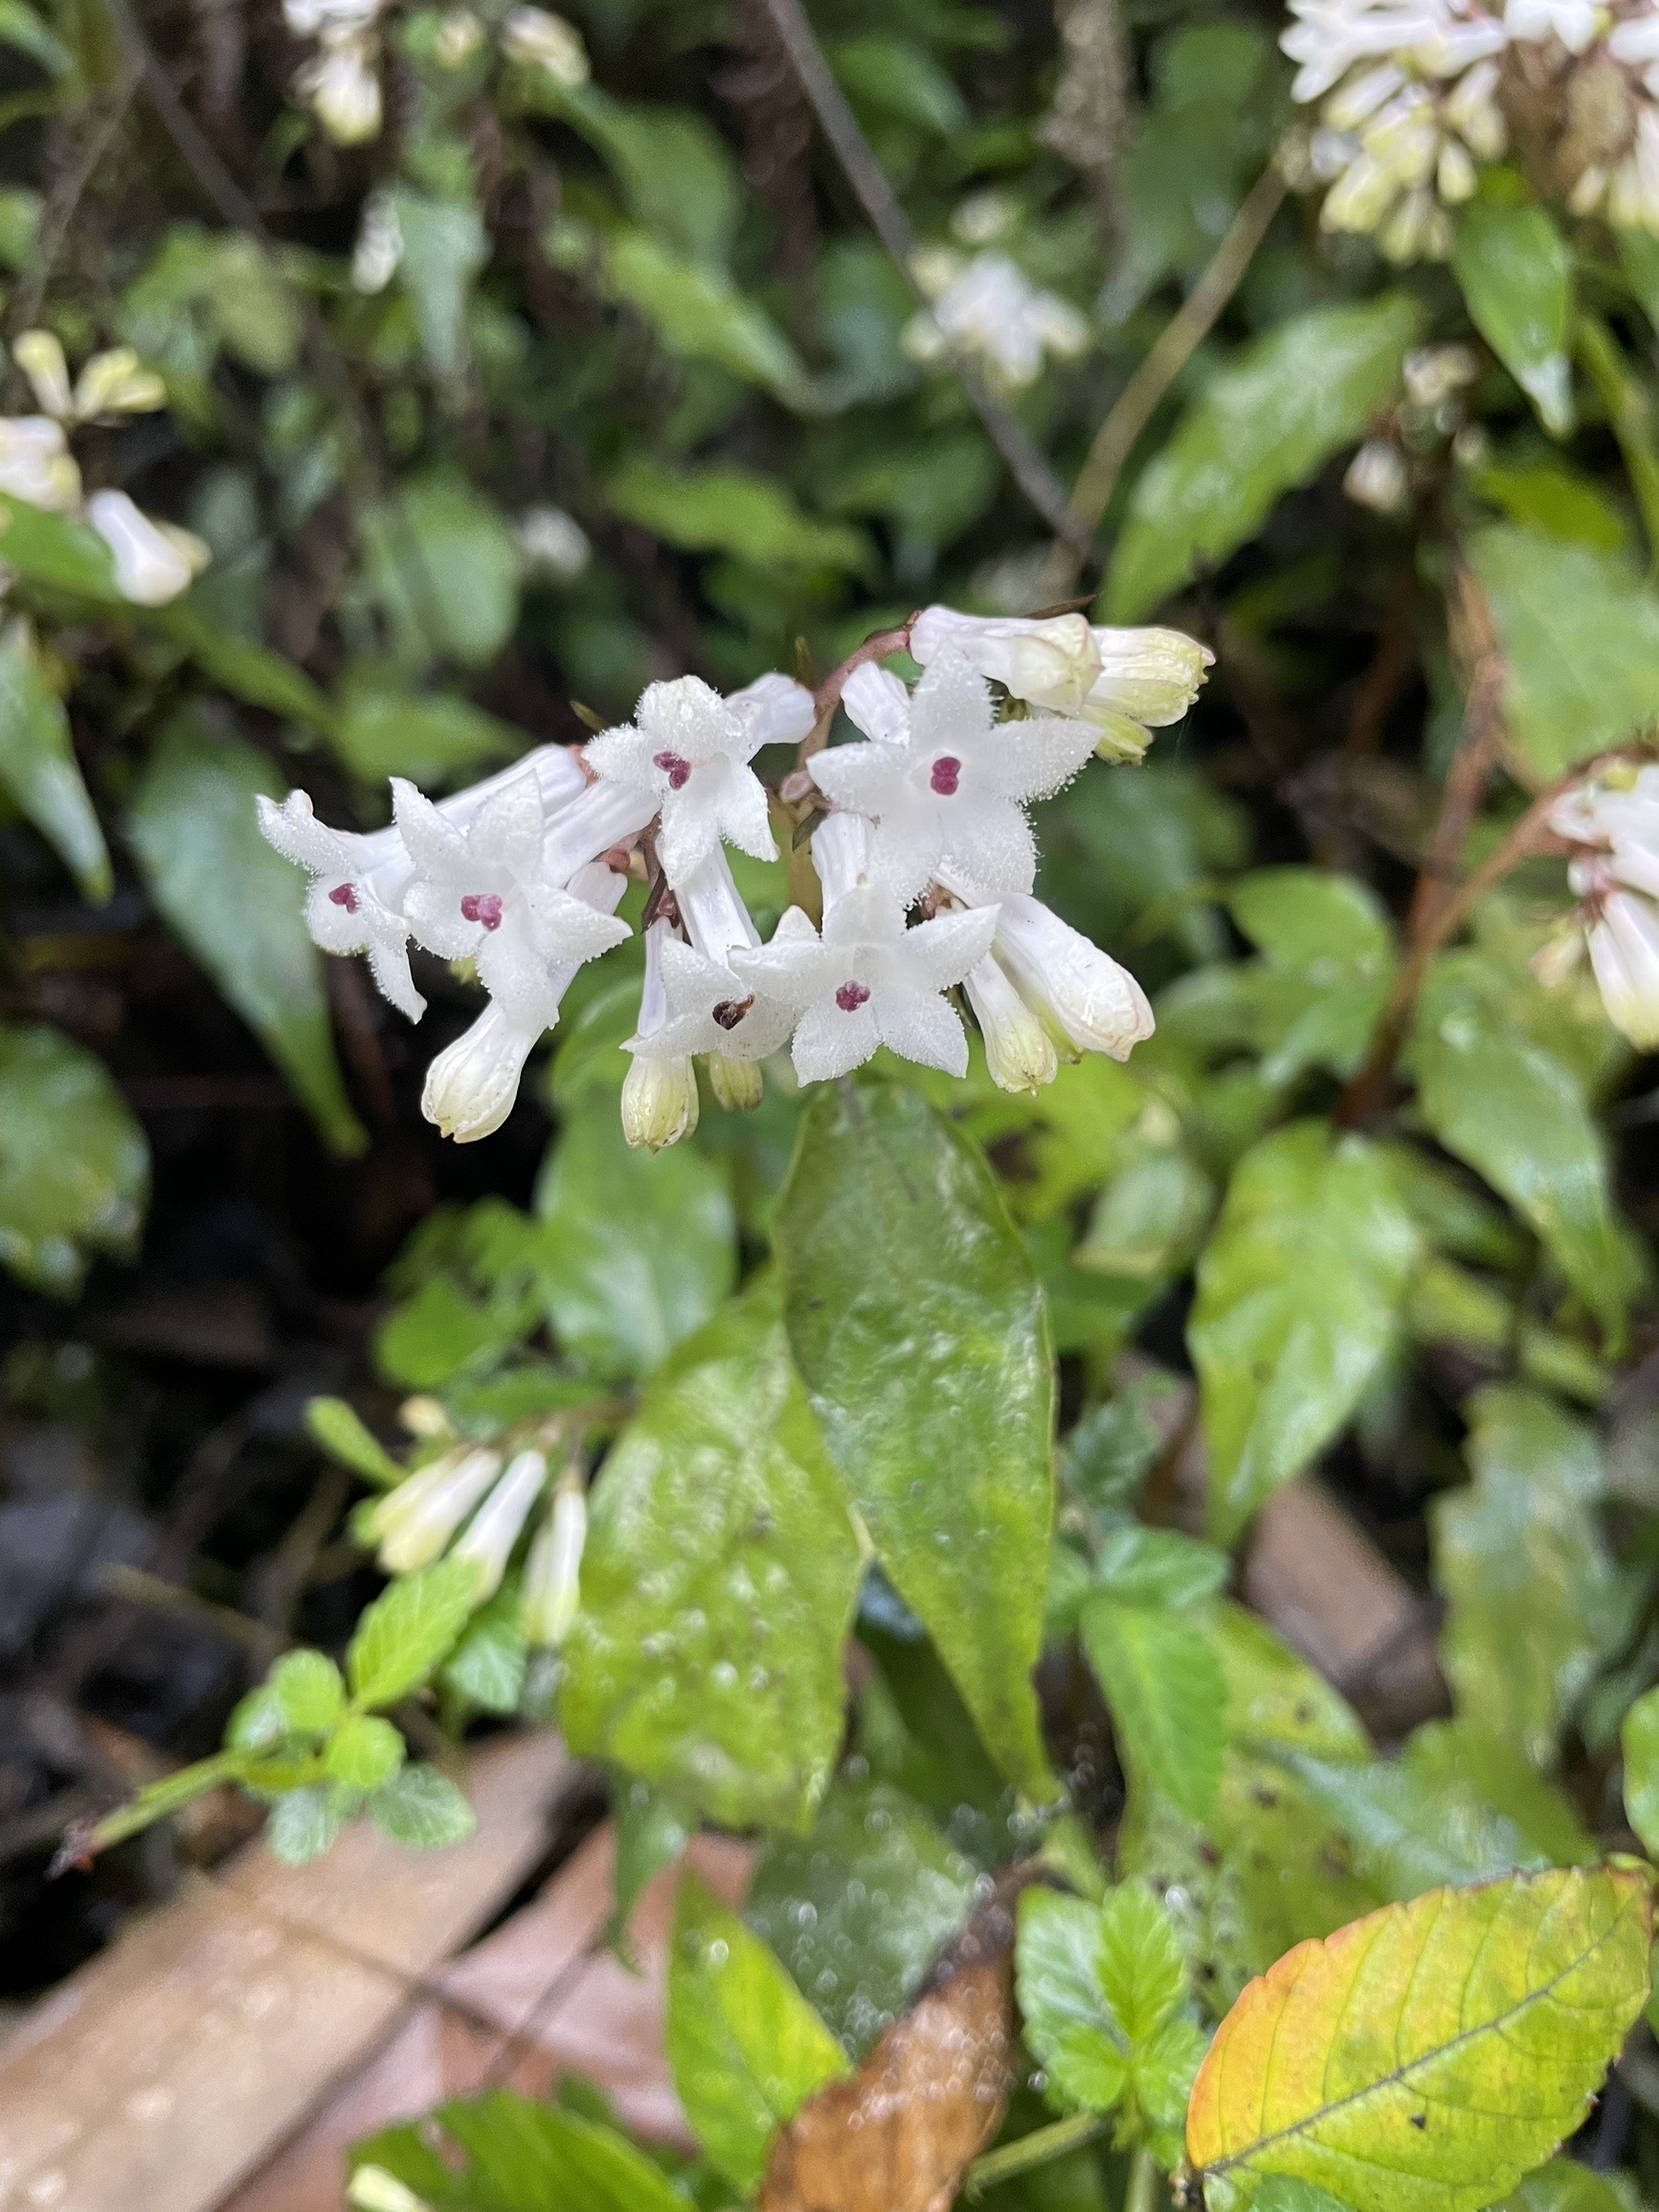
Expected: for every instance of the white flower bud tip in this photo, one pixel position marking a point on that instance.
(737, 1084)
(37, 464)
(658, 1102)
(1083, 995)
(553, 1576)
(154, 562)
(494, 1529)
(372, 2189)
(535, 40)
(1018, 1051)
(471, 1088)
(412, 1524)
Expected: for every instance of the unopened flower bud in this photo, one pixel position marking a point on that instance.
(379, 247)
(341, 87)
(551, 542)
(154, 562)
(423, 1417)
(538, 40)
(39, 354)
(736, 1084)
(494, 1529)
(459, 35)
(1624, 954)
(372, 2189)
(1018, 1051)
(117, 383)
(37, 464)
(1083, 995)
(412, 1524)
(553, 1576)
(658, 1102)
(1377, 478)
(470, 1088)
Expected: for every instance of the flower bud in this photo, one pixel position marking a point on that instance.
(494, 1529)
(459, 35)
(372, 2189)
(154, 562)
(1079, 991)
(424, 1416)
(552, 543)
(1018, 1051)
(379, 247)
(117, 383)
(537, 40)
(39, 356)
(341, 87)
(470, 1089)
(658, 1102)
(736, 1084)
(37, 464)
(553, 1576)
(412, 1524)
(1624, 954)
(1377, 478)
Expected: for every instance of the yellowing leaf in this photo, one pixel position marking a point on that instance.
(1425, 2058)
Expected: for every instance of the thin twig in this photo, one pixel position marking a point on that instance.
(826, 698)
(1026, 464)
(1476, 646)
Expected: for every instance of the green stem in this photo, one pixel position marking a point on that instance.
(170, 1794)
(1035, 2150)
(1629, 409)
(1144, 2176)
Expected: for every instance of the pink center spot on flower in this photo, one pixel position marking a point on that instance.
(731, 1011)
(851, 996)
(673, 768)
(482, 906)
(344, 895)
(947, 775)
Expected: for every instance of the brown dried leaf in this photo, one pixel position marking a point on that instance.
(900, 2136)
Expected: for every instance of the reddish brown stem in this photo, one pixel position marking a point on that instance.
(827, 697)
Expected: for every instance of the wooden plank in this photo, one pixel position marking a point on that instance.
(168, 2068)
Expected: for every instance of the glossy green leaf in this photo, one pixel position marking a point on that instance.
(1299, 1298)
(1580, 631)
(444, 246)
(1160, 1567)
(73, 1163)
(487, 1665)
(1565, 2185)
(1517, 274)
(1521, 1544)
(735, 510)
(423, 1809)
(700, 314)
(408, 1630)
(678, 177)
(1164, 1689)
(652, 1831)
(918, 1326)
(858, 1909)
(635, 1249)
(1265, 423)
(363, 1752)
(1423, 2059)
(718, 1584)
(244, 667)
(1640, 1742)
(240, 907)
(383, 731)
(1516, 1113)
(444, 566)
(527, 2156)
(58, 549)
(746, 2047)
(38, 769)
(341, 1432)
(309, 1691)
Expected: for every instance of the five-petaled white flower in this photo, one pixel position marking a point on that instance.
(690, 749)
(357, 883)
(942, 781)
(867, 980)
(479, 893)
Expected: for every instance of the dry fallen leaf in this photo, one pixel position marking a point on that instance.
(902, 2132)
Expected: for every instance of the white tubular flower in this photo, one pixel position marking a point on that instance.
(372, 2189)
(379, 247)
(116, 382)
(953, 787)
(1623, 938)
(412, 1524)
(990, 308)
(37, 464)
(689, 749)
(869, 980)
(1377, 478)
(659, 1090)
(329, 19)
(1018, 1051)
(553, 544)
(1084, 999)
(774, 709)
(39, 354)
(537, 40)
(470, 1089)
(494, 1529)
(479, 893)
(154, 562)
(341, 85)
(1573, 23)
(707, 1010)
(1128, 683)
(553, 1576)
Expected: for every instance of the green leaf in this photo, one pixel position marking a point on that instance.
(383, 731)
(1413, 1822)
(1423, 2059)
(1311, 923)
(1263, 425)
(672, 163)
(858, 1909)
(244, 667)
(57, 549)
(363, 1752)
(38, 769)
(1160, 1567)
(1580, 631)
(652, 1831)
(444, 246)
(408, 1630)
(1517, 274)
(918, 1326)
(74, 1164)
(1298, 1301)
(1521, 1544)
(635, 1249)
(308, 1691)
(422, 1808)
(733, 510)
(718, 1583)
(1164, 1689)
(527, 2156)
(20, 25)
(488, 1665)
(1516, 1113)
(302, 1823)
(700, 314)
(746, 2047)
(1640, 1742)
(339, 1430)
(899, 78)
(444, 566)
(255, 306)
(239, 907)
(1565, 2185)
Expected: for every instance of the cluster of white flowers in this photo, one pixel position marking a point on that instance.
(341, 81)
(154, 562)
(1614, 821)
(522, 874)
(1410, 95)
(986, 306)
